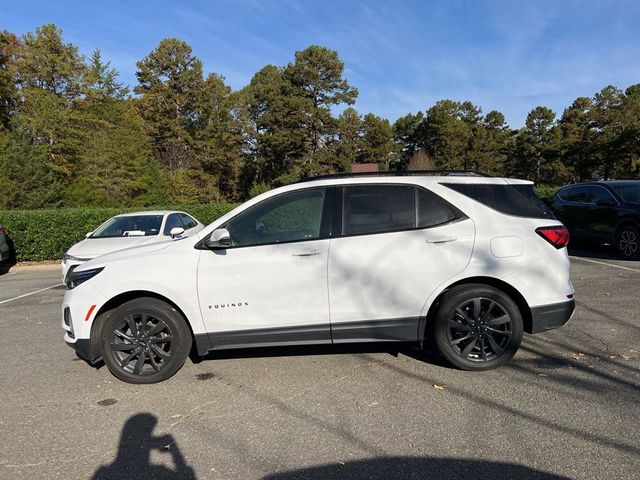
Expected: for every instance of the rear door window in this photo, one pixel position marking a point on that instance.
(600, 194)
(378, 208)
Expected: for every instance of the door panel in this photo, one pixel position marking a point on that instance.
(602, 218)
(375, 279)
(270, 286)
(265, 294)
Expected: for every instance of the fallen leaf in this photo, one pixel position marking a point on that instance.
(625, 357)
(438, 387)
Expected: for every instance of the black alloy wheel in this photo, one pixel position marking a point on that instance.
(479, 330)
(477, 327)
(144, 340)
(142, 344)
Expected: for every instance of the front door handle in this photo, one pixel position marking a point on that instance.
(442, 240)
(307, 252)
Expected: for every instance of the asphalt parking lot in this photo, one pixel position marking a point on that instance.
(567, 406)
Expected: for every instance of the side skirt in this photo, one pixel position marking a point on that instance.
(393, 330)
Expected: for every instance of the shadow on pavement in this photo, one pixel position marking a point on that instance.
(423, 468)
(134, 450)
(410, 349)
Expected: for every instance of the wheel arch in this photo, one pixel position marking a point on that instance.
(501, 285)
(201, 342)
(624, 221)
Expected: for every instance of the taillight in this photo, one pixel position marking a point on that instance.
(2, 231)
(556, 236)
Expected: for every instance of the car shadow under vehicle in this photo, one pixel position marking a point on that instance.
(394, 349)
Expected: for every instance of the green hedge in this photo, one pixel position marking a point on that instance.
(545, 193)
(46, 234)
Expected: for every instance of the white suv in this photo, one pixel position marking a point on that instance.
(469, 262)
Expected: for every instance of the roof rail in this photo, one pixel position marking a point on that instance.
(395, 173)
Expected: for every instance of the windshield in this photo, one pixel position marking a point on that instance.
(129, 226)
(629, 192)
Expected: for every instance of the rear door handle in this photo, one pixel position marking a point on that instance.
(305, 253)
(442, 240)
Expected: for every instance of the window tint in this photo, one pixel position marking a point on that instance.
(187, 221)
(565, 193)
(286, 218)
(432, 210)
(378, 208)
(129, 226)
(580, 194)
(527, 191)
(600, 194)
(630, 192)
(173, 221)
(503, 198)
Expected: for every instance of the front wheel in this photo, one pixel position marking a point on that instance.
(477, 327)
(628, 242)
(144, 341)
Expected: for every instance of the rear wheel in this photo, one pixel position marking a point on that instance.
(144, 341)
(477, 327)
(628, 242)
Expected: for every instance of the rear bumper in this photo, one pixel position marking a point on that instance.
(551, 316)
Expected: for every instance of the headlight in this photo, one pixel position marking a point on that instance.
(76, 278)
(66, 257)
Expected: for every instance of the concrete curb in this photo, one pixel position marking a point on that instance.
(34, 267)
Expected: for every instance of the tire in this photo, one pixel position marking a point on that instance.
(144, 341)
(477, 327)
(628, 242)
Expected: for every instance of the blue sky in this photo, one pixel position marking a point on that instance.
(403, 56)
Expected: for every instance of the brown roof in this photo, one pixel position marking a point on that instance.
(364, 168)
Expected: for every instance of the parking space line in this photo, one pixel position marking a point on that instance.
(30, 293)
(605, 263)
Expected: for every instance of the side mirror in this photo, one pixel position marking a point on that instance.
(609, 202)
(220, 238)
(88, 234)
(176, 231)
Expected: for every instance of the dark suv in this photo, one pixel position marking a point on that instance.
(602, 212)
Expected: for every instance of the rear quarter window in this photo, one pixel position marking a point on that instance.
(516, 200)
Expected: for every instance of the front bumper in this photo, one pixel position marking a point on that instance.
(83, 349)
(79, 309)
(556, 315)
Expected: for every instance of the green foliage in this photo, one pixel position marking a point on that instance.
(545, 192)
(46, 62)
(258, 189)
(71, 134)
(377, 142)
(47, 234)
